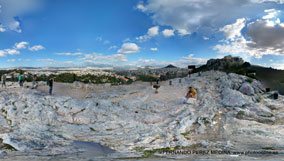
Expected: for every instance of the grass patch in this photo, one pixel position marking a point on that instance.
(139, 149)
(240, 114)
(249, 80)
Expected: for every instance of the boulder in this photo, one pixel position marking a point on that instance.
(247, 89)
(233, 98)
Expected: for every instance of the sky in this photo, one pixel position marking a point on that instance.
(102, 33)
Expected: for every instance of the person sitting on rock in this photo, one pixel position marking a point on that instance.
(192, 93)
(190, 96)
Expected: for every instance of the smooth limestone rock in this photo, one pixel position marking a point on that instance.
(247, 89)
(132, 116)
(233, 98)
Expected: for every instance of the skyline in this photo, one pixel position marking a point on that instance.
(40, 33)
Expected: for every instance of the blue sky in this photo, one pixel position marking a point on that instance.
(40, 33)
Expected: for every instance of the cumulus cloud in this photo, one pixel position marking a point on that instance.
(152, 32)
(168, 33)
(36, 48)
(129, 48)
(194, 15)
(265, 36)
(140, 6)
(233, 31)
(183, 32)
(11, 10)
(21, 45)
(192, 60)
(2, 29)
(18, 47)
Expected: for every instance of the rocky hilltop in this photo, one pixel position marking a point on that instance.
(226, 62)
(231, 112)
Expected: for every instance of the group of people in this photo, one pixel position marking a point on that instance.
(21, 80)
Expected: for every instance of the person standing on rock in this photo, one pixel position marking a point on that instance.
(3, 79)
(21, 80)
(50, 84)
(35, 84)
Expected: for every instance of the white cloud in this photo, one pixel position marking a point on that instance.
(2, 29)
(21, 45)
(8, 52)
(129, 48)
(154, 49)
(191, 60)
(18, 47)
(271, 13)
(264, 37)
(36, 48)
(277, 66)
(182, 62)
(233, 31)
(12, 51)
(2, 53)
(106, 59)
(46, 60)
(112, 47)
(183, 32)
(152, 32)
(203, 15)
(15, 8)
(168, 33)
(205, 38)
(70, 54)
(140, 6)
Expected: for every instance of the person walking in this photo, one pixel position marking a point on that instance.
(50, 84)
(35, 83)
(3, 79)
(21, 80)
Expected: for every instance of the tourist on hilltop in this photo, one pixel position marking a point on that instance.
(3, 80)
(50, 84)
(191, 96)
(21, 80)
(192, 93)
(35, 83)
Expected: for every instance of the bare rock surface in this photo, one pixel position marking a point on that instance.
(128, 117)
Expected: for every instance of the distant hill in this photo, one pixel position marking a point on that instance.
(271, 78)
(170, 66)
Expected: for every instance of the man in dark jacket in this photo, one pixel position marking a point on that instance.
(50, 84)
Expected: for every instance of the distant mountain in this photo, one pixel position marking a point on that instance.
(170, 66)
